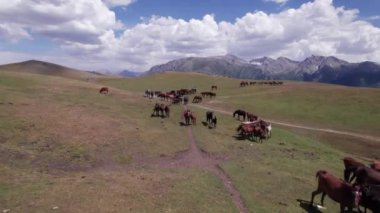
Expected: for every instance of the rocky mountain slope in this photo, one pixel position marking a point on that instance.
(314, 68)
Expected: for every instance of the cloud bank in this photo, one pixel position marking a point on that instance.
(86, 29)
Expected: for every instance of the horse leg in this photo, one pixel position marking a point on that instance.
(313, 195)
(323, 198)
(347, 174)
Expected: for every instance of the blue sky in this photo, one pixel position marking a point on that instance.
(113, 35)
(227, 10)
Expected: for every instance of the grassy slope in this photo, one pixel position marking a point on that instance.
(45, 68)
(61, 144)
(319, 105)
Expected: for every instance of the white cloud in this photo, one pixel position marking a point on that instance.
(88, 32)
(116, 3)
(277, 1)
(66, 20)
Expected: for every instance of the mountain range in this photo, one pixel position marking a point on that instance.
(314, 68)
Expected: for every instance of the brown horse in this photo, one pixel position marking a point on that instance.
(214, 87)
(156, 110)
(104, 90)
(350, 166)
(197, 99)
(189, 117)
(239, 113)
(376, 165)
(165, 110)
(337, 189)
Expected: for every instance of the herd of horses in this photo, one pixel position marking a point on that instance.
(272, 83)
(161, 110)
(361, 184)
(360, 187)
(253, 128)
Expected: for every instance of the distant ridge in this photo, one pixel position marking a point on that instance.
(314, 68)
(47, 68)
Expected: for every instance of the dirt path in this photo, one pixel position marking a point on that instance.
(367, 137)
(202, 160)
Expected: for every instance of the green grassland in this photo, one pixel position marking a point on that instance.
(62, 144)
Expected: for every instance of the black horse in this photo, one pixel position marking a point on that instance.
(239, 113)
(209, 116)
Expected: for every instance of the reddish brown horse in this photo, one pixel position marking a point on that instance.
(338, 190)
(252, 131)
(104, 90)
(350, 166)
(376, 165)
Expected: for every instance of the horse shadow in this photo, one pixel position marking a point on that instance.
(181, 123)
(206, 124)
(306, 206)
(313, 209)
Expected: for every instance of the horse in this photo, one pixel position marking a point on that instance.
(193, 119)
(243, 83)
(251, 117)
(239, 113)
(165, 110)
(370, 198)
(214, 120)
(337, 189)
(209, 116)
(365, 175)
(156, 110)
(104, 90)
(253, 131)
(205, 94)
(189, 117)
(267, 126)
(375, 165)
(197, 99)
(212, 94)
(185, 100)
(214, 87)
(350, 166)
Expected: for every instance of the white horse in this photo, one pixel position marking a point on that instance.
(269, 130)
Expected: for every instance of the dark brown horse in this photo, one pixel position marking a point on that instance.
(214, 87)
(197, 99)
(251, 117)
(239, 113)
(156, 110)
(337, 189)
(165, 110)
(189, 117)
(104, 90)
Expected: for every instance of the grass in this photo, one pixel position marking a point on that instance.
(63, 144)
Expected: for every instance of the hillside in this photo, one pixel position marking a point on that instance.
(60, 140)
(46, 68)
(315, 68)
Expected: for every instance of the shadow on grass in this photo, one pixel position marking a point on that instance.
(183, 124)
(313, 209)
(306, 206)
(243, 138)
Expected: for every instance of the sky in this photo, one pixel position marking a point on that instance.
(116, 35)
